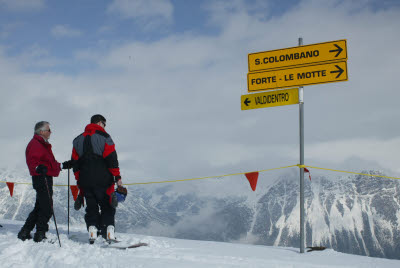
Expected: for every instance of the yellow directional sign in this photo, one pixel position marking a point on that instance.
(297, 76)
(296, 56)
(270, 99)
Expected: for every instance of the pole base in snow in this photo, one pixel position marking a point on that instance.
(315, 249)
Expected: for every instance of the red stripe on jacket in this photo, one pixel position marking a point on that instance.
(108, 149)
(114, 171)
(75, 155)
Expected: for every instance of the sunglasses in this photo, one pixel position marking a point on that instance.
(49, 130)
(104, 123)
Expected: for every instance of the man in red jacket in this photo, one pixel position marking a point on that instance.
(96, 171)
(43, 167)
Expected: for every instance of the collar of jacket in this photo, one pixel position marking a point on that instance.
(92, 128)
(41, 140)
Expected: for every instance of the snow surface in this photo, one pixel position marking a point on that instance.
(161, 252)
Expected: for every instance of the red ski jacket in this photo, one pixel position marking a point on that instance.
(38, 152)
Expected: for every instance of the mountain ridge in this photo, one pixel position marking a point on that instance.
(354, 214)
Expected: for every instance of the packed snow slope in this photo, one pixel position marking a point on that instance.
(162, 252)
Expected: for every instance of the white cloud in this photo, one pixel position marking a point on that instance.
(370, 153)
(65, 31)
(205, 76)
(23, 5)
(173, 105)
(149, 13)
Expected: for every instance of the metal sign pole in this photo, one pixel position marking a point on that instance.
(301, 121)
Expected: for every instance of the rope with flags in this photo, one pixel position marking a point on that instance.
(252, 177)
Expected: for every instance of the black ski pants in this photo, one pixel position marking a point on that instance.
(99, 212)
(42, 211)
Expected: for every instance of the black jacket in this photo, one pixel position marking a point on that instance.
(97, 161)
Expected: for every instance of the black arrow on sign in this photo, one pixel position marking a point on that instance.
(338, 50)
(340, 71)
(246, 101)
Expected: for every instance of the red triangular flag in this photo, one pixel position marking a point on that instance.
(74, 191)
(11, 187)
(252, 177)
(309, 173)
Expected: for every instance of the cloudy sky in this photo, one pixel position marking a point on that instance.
(168, 76)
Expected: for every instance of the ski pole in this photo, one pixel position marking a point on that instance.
(68, 201)
(52, 210)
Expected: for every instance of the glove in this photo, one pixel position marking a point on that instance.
(79, 202)
(118, 180)
(68, 164)
(122, 190)
(41, 169)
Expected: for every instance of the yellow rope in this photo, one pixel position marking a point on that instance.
(16, 182)
(201, 178)
(234, 174)
(350, 172)
(30, 183)
(209, 177)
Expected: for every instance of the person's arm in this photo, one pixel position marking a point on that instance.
(54, 171)
(76, 170)
(111, 158)
(54, 167)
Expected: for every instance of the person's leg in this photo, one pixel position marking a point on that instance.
(32, 218)
(107, 211)
(92, 216)
(25, 232)
(44, 197)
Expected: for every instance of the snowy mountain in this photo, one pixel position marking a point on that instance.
(358, 215)
(355, 214)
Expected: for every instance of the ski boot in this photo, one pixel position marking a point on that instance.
(92, 234)
(110, 234)
(24, 234)
(39, 236)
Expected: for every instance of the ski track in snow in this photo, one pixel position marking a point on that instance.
(162, 252)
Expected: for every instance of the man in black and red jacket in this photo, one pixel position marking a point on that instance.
(43, 167)
(96, 171)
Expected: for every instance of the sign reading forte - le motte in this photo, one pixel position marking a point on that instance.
(296, 56)
(297, 76)
(270, 99)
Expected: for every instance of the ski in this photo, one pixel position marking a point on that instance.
(112, 241)
(125, 245)
(109, 243)
(138, 245)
